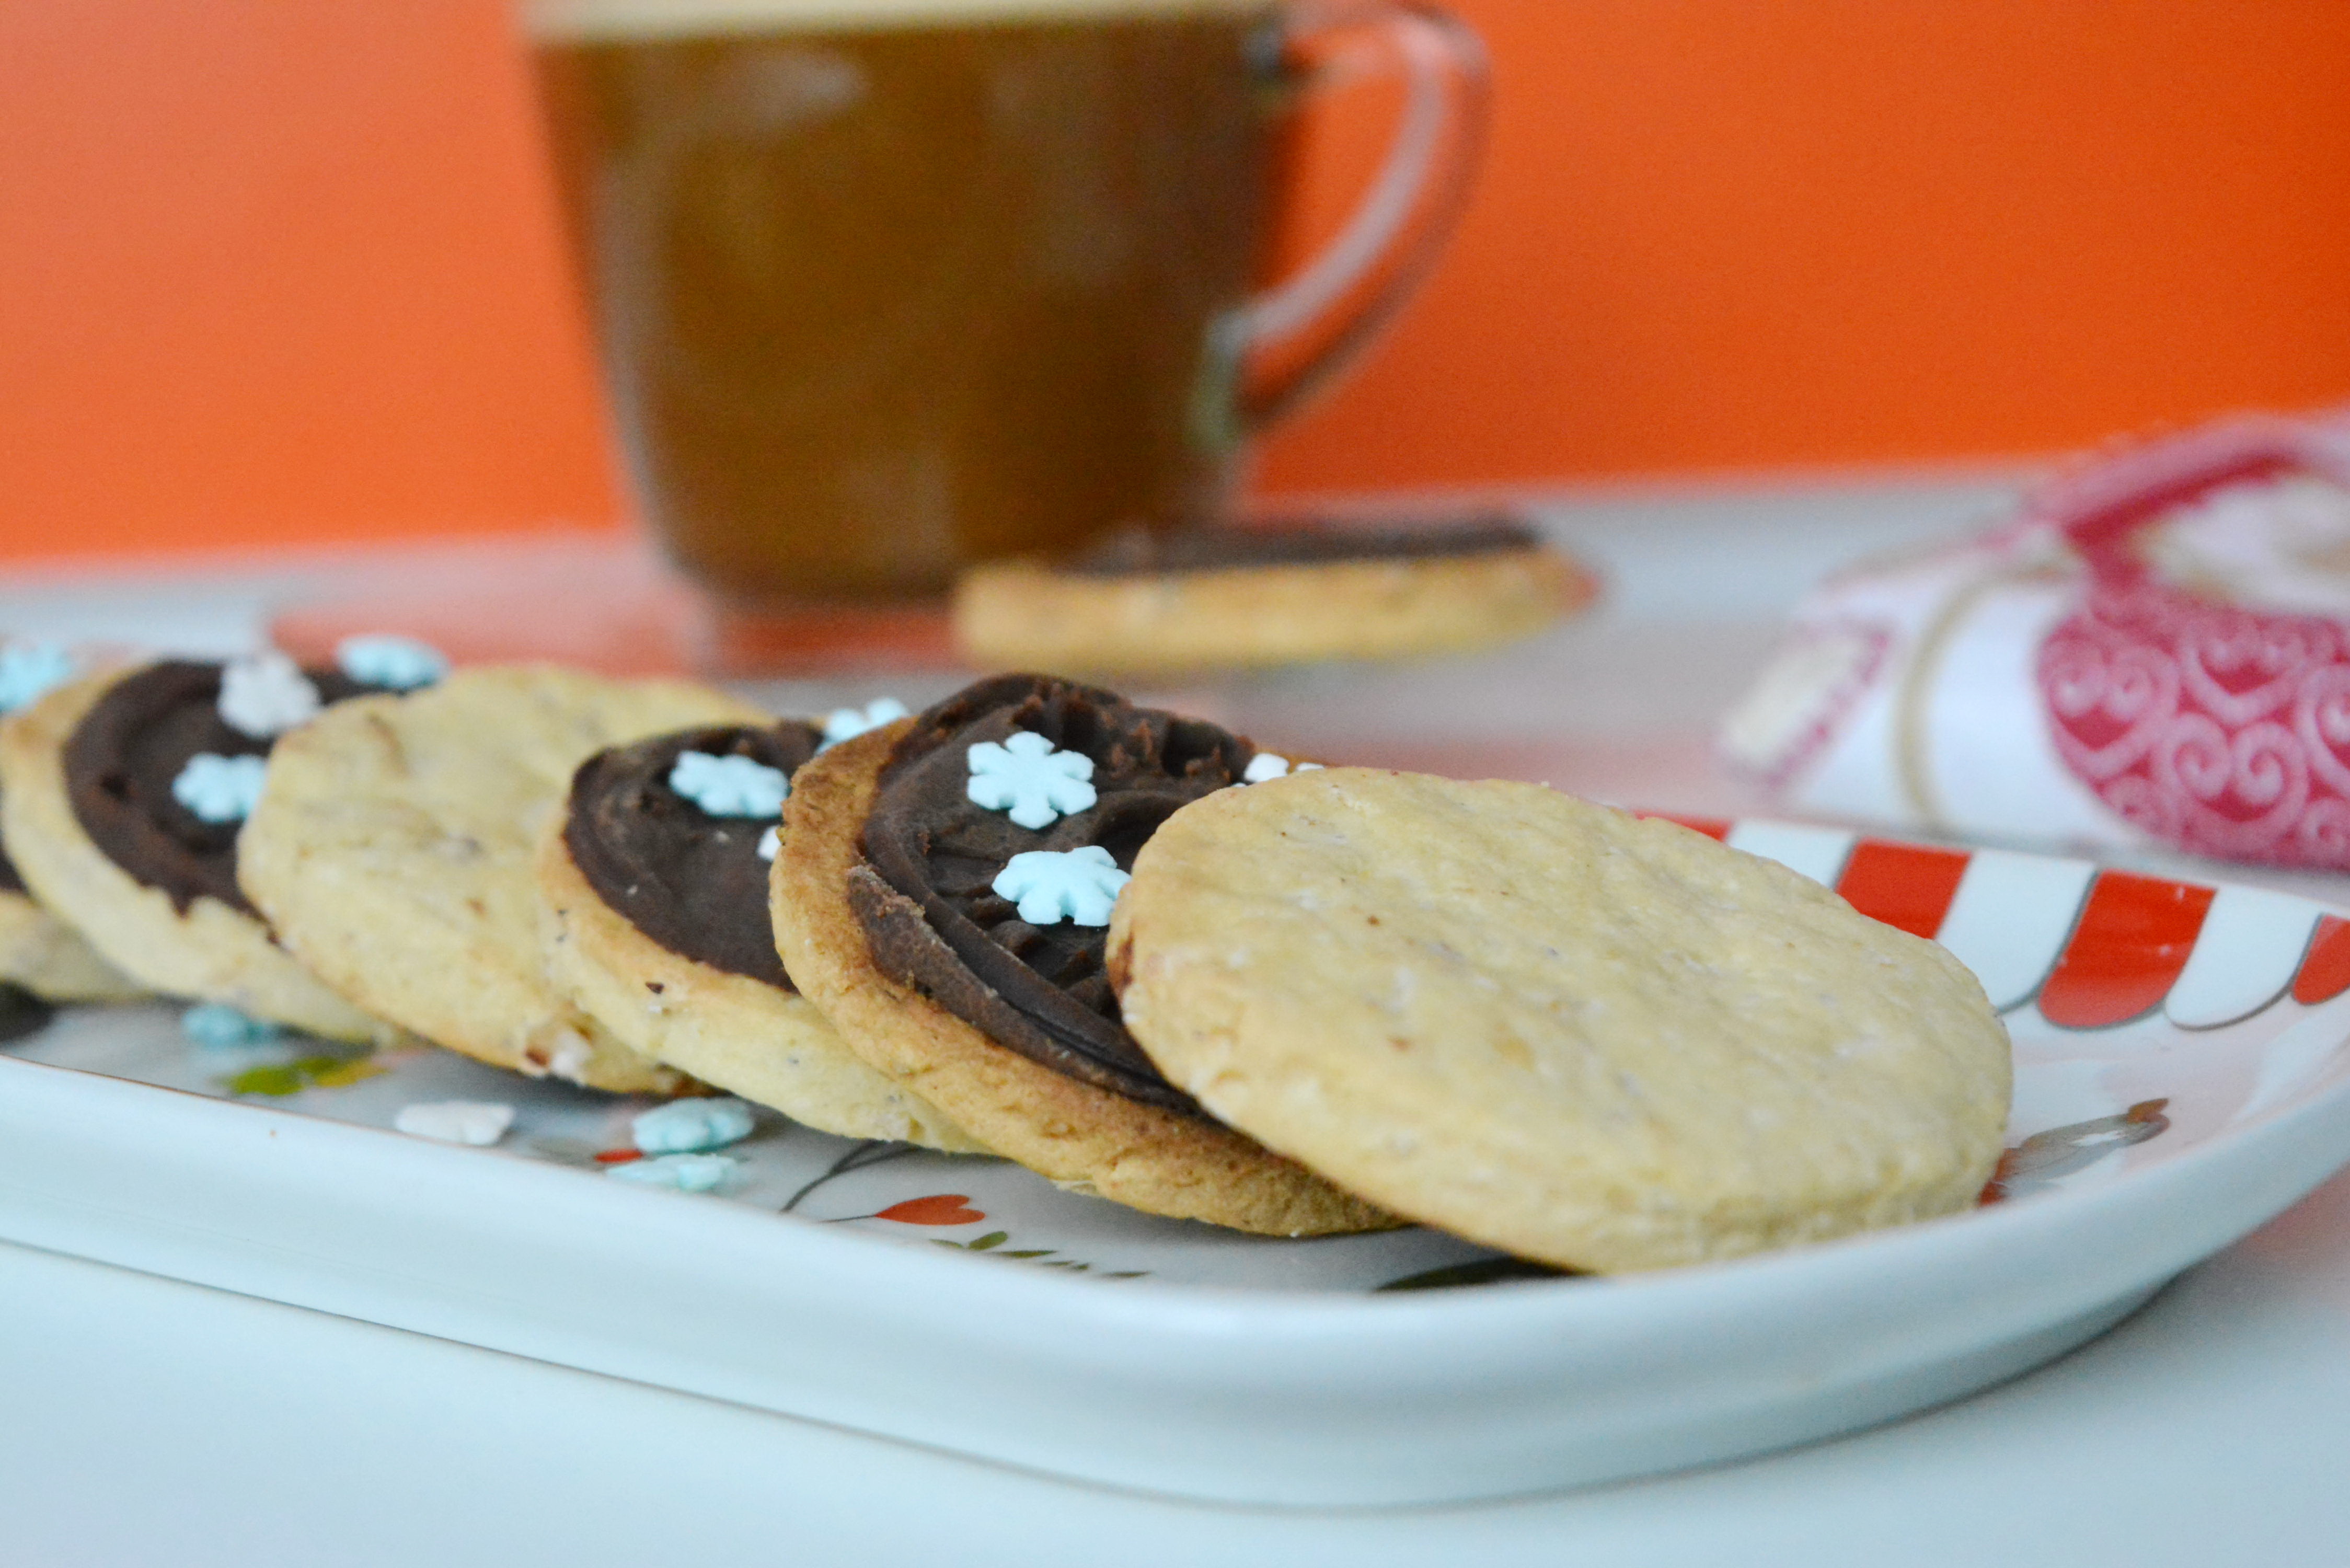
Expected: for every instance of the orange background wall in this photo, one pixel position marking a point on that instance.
(281, 270)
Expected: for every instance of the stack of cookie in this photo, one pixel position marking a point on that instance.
(1125, 949)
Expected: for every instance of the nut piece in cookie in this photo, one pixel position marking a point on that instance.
(1140, 604)
(890, 911)
(393, 851)
(123, 797)
(1600, 1042)
(653, 887)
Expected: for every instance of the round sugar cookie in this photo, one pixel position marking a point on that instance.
(197, 946)
(1254, 598)
(50, 958)
(750, 1034)
(1079, 1136)
(1551, 1027)
(393, 844)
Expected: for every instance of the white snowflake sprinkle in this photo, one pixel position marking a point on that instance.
(265, 694)
(691, 1126)
(29, 671)
(1052, 885)
(220, 789)
(476, 1123)
(1266, 765)
(1027, 775)
(771, 843)
(729, 785)
(847, 723)
(682, 1172)
(394, 663)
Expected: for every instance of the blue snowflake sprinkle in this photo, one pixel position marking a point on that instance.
(29, 671)
(394, 663)
(1037, 781)
(216, 1023)
(682, 1172)
(691, 1126)
(729, 786)
(1052, 885)
(847, 723)
(220, 789)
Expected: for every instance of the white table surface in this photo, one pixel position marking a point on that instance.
(146, 1421)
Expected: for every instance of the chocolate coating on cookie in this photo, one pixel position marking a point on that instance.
(924, 898)
(1134, 551)
(123, 757)
(692, 882)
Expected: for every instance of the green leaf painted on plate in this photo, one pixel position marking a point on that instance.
(1042, 1256)
(304, 1073)
(285, 1079)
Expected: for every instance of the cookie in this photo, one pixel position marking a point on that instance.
(38, 951)
(392, 848)
(121, 802)
(50, 958)
(1254, 598)
(654, 905)
(1001, 1016)
(1602, 1043)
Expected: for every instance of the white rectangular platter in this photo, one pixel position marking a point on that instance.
(2172, 1094)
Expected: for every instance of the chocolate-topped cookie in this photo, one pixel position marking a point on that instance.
(132, 770)
(926, 895)
(124, 798)
(686, 869)
(943, 892)
(653, 884)
(1286, 593)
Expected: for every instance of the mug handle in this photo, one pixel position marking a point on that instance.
(1399, 226)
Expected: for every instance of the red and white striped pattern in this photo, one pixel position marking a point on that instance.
(2091, 947)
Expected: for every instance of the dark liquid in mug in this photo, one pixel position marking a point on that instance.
(875, 303)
